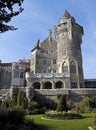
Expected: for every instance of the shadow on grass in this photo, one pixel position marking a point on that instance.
(42, 127)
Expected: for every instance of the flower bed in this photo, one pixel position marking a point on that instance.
(62, 116)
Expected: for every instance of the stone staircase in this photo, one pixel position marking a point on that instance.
(4, 94)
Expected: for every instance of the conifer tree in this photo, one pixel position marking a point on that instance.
(62, 106)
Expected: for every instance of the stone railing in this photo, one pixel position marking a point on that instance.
(46, 75)
(67, 91)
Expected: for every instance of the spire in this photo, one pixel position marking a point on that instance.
(66, 14)
(37, 45)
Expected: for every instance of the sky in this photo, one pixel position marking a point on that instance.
(38, 17)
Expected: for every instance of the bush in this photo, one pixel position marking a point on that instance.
(14, 120)
(62, 106)
(62, 116)
(84, 105)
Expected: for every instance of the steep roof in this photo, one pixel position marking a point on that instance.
(5, 64)
(66, 14)
(37, 45)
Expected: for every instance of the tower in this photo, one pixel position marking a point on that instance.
(68, 35)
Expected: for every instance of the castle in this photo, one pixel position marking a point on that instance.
(55, 66)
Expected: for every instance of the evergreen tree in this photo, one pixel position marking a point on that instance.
(62, 106)
(9, 9)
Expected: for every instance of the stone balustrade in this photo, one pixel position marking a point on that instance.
(46, 75)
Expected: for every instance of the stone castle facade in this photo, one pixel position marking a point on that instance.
(55, 65)
(57, 62)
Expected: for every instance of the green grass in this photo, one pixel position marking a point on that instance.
(80, 124)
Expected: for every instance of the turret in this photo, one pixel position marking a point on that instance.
(68, 35)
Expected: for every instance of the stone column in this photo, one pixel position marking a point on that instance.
(42, 85)
(53, 85)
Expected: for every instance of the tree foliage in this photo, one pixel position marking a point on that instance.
(62, 106)
(9, 9)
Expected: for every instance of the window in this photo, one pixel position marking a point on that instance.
(47, 51)
(21, 75)
(73, 67)
(81, 85)
(65, 68)
(44, 62)
(79, 69)
(54, 61)
(65, 23)
(54, 71)
(49, 71)
(74, 85)
(64, 53)
(16, 74)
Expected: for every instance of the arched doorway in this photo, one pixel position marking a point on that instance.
(48, 85)
(59, 84)
(36, 85)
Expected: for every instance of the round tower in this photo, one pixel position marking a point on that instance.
(68, 35)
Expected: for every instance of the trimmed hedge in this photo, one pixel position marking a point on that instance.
(63, 116)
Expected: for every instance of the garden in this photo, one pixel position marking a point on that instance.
(20, 114)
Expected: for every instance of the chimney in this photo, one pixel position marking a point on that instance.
(50, 35)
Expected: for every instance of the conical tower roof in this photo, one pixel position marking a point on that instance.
(67, 14)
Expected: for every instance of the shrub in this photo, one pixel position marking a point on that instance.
(92, 102)
(33, 107)
(62, 116)
(84, 105)
(62, 106)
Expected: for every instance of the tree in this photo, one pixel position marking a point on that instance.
(9, 9)
(62, 106)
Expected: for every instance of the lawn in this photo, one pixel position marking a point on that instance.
(80, 124)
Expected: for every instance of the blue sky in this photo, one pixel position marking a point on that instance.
(41, 15)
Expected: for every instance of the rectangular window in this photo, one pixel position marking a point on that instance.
(49, 71)
(44, 62)
(21, 75)
(54, 61)
(54, 71)
(65, 69)
(47, 51)
(64, 53)
(74, 85)
(73, 69)
(16, 74)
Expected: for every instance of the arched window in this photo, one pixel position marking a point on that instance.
(36, 85)
(48, 85)
(72, 67)
(64, 67)
(59, 84)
